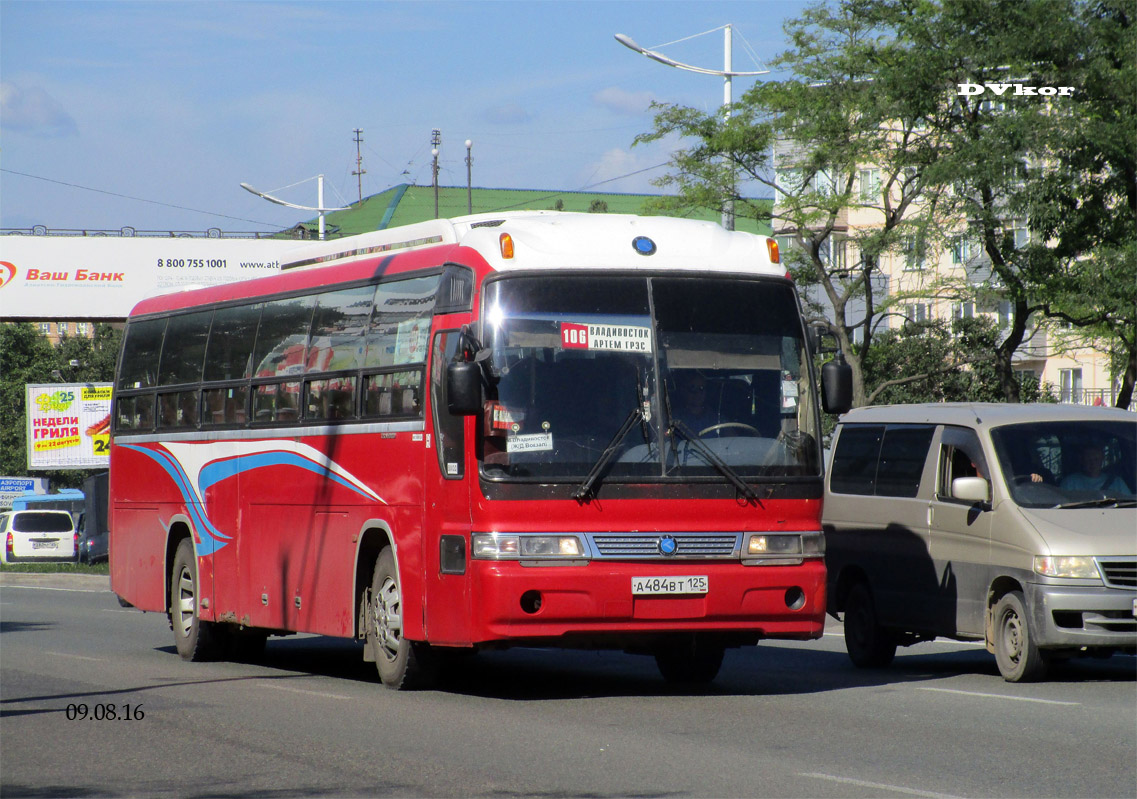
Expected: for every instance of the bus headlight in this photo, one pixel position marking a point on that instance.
(519, 546)
(783, 548)
(1077, 568)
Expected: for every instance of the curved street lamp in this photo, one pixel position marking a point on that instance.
(726, 73)
(319, 201)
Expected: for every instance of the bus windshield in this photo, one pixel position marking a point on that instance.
(683, 377)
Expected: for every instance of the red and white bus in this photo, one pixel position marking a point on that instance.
(533, 428)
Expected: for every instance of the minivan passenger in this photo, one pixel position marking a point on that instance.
(986, 522)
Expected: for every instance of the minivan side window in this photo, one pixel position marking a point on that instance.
(902, 457)
(961, 455)
(854, 460)
(874, 460)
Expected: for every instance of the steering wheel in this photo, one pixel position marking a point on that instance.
(722, 425)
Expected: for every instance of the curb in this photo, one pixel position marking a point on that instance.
(86, 582)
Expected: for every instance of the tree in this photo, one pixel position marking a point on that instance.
(873, 100)
(1046, 184)
(26, 356)
(819, 129)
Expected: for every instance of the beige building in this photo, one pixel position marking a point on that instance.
(951, 279)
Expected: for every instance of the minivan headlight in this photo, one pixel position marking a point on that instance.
(1070, 567)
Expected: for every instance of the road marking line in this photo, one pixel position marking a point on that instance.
(118, 610)
(1000, 696)
(303, 691)
(882, 786)
(77, 657)
(945, 642)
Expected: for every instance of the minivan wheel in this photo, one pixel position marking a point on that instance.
(868, 644)
(1018, 656)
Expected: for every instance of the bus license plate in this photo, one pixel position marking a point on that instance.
(654, 586)
(44, 544)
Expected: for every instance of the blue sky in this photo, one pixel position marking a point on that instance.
(178, 103)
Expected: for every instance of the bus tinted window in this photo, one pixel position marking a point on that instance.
(277, 402)
(331, 399)
(400, 326)
(337, 329)
(393, 394)
(282, 337)
(230, 351)
(140, 353)
(184, 351)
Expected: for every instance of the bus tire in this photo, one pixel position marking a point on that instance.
(693, 662)
(195, 639)
(1016, 652)
(401, 664)
(869, 645)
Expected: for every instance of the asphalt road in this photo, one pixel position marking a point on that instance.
(311, 719)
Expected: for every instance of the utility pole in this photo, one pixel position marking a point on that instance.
(359, 170)
(436, 142)
(469, 191)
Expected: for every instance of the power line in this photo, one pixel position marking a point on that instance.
(137, 199)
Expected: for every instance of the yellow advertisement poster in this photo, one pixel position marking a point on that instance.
(68, 425)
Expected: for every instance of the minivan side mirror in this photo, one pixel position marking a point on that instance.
(971, 489)
(837, 386)
(464, 388)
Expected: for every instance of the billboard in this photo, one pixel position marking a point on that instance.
(82, 277)
(68, 425)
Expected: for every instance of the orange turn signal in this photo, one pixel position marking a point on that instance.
(506, 245)
(772, 246)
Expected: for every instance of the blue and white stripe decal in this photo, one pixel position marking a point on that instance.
(196, 467)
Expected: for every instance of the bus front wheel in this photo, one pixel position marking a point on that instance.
(402, 664)
(694, 661)
(195, 639)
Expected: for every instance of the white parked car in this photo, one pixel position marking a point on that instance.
(37, 536)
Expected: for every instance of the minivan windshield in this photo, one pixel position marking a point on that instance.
(661, 378)
(1075, 464)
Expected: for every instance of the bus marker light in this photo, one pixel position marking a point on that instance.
(772, 247)
(506, 241)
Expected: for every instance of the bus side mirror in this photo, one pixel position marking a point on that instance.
(837, 386)
(464, 388)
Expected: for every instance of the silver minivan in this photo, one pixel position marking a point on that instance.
(1011, 524)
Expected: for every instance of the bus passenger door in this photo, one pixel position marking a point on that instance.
(446, 527)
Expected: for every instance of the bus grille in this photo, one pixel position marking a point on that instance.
(1119, 572)
(646, 545)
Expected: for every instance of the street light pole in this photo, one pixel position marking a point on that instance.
(727, 72)
(320, 208)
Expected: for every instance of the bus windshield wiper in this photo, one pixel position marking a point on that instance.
(1104, 502)
(585, 488)
(708, 454)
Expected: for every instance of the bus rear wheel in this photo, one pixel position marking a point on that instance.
(401, 664)
(195, 639)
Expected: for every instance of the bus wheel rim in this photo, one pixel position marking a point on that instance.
(388, 618)
(186, 602)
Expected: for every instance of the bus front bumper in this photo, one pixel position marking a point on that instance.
(515, 601)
